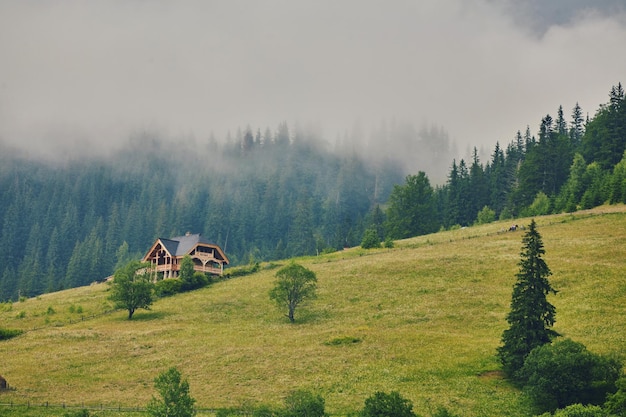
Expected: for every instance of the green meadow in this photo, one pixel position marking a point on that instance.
(423, 318)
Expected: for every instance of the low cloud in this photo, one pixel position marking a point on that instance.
(77, 73)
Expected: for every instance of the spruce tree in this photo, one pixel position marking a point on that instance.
(531, 316)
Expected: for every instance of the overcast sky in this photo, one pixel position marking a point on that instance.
(84, 71)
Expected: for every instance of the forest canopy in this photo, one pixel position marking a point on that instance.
(286, 193)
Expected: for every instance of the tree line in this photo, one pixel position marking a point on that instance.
(282, 193)
(568, 166)
(260, 197)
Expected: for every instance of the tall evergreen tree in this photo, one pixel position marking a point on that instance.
(531, 317)
(411, 209)
(577, 127)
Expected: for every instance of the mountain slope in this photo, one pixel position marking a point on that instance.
(423, 318)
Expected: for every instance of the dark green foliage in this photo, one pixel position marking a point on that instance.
(603, 141)
(241, 271)
(616, 402)
(486, 215)
(347, 340)
(443, 412)
(189, 278)
(564, 372)
(228, 412)
(391, 404)
(303, 403)
(167, 287)
(6, 334)
(412, 209)
(617, 183)
(66, 225)
(281, 201)
(578, 410)
(174, 400)
(186, 270)
(370, 239)
(531, 317)
(294, 285)
(132, 287)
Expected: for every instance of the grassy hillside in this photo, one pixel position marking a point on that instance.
(424, 319)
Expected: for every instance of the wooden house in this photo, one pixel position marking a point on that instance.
(165, 255)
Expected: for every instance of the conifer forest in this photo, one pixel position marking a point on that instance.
(275, 194)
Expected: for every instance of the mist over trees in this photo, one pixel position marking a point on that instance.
(273, 194)
(259, 196)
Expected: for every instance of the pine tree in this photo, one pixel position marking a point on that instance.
(531, 316)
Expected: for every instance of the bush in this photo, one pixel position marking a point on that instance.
(443, 412)
(486, 215)
(616, 403)
(387, 405)
(175, 399)
(304, 403)
(370, 239)
(578, 410)
(241, 271)
(167, 287)
(541, 205)
(195, 281)
(388, 243)
(6, 334)
(565, 372)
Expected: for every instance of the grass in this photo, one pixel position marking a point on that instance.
(423, 318)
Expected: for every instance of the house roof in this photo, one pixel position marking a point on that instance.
(181, 245)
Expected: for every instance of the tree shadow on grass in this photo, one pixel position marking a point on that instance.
(308, 316)
(148, 315)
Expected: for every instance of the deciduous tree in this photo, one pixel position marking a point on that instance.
(294, 285)
(563, 373)
(175, 400)
(131, 287)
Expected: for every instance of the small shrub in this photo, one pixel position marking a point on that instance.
(443, 412)
(197, 280)
(23, 298)
(388, 243)
(304, 403)
(167, 287)
(79, 310)
(370, 239)
(264, 411)
(506, 214)
(6, 334)
(578, 410)
(228, 412)
(50, 311)
(72, 309)
(21, 315)
(382, 404)
(564, 373)
(241, 271)
(486, 215)
(616, 403)
(541, 205)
